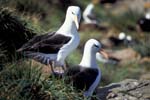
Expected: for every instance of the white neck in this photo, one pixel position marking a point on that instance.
(87, 12)
(68, 28)
(88, 59)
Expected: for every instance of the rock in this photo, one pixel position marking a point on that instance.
(120, 56)
(129, 89)
(145, 60)
(145, 76)
(107, 43)
(125, 55)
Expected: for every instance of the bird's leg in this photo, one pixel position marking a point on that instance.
(52, 65)
(62, 71)
(66, 65)
(56, 69)
(63, 68)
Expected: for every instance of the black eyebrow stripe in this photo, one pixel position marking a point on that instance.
(96, 45)
(73, 13)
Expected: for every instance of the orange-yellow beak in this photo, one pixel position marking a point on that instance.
(103, 53)
(147, 5)
(76, 21)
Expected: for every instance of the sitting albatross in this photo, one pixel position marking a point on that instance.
(87, 74)
(55, 46)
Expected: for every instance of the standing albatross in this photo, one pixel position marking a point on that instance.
(87, 74)
(55, 46)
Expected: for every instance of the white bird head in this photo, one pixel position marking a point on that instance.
(72, 20)
(147, 16)
(122, 36)
(129, 38)
(92, 47)
(74, 13)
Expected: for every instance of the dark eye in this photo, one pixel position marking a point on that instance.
(73, 13)
(96, 46)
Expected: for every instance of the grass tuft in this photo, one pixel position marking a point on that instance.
(13, 33)
(143, 46)
(25, 82)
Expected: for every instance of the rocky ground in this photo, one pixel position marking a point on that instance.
(129, 89)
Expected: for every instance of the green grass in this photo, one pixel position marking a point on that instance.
(45, 15)
(125, 20)
(143, 46)
(74, 58)
(25, 82)
(14, 32)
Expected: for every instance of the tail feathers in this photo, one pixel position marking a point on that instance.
(20, 50)
(37, 57)
(42, 58)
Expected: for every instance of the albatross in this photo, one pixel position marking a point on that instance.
(90, 19)
(55, 46)
(88, 16)
(144, 23)
(86, 76)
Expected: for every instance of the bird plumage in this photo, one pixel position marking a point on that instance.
(47, 43)
(55, 46)
(86, 75)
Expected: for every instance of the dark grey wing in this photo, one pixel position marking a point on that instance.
(47, 43)
(84, 78)
(72, 71)
(34, 40)
(92, 17)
